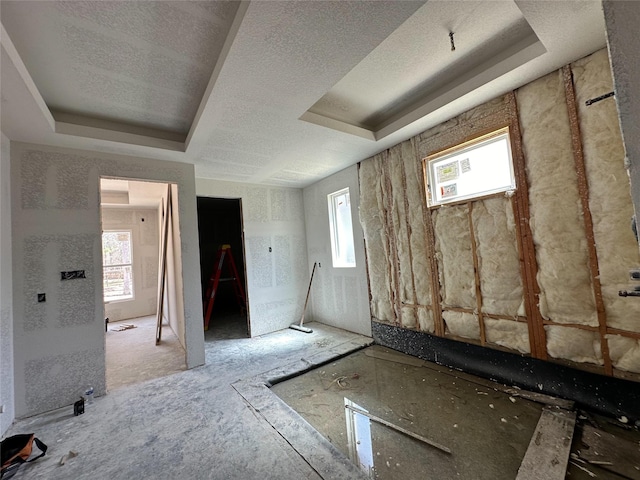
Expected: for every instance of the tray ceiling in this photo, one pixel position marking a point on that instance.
(271, 92)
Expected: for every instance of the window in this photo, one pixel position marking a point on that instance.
(474, 169)
(341, 228)
(116, 263)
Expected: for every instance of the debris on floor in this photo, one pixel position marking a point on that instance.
(122, 328)
(608, 451)
(68, 456)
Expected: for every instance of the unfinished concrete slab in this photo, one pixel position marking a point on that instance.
(191, 424)
(134, 357)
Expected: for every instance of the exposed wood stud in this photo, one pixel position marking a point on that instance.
(429, 234)
(484, 314)
(537, 335)
(623, 333)
(476, 273)
(433, 263)
(583, 190)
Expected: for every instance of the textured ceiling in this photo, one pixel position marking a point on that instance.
(139, 63)
(415, 61)
(224, 85)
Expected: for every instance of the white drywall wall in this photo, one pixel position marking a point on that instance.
(143, 225)
(6, 301)
(621, 20)
(277, 280)
(59, 344)
(339, 296)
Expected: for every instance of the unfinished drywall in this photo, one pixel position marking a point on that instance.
(566, 292)
(6, 287)
(339, 296)
(143, 224)
(59, 344)
(493, 256)
(275, 251)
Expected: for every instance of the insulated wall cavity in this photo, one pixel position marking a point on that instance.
(454, 254)
(516, 270)
(566, 291)
(609, 192)
(372, 218)
(498, 259)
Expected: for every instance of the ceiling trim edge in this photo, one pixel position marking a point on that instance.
(15, 58)
(196, 126)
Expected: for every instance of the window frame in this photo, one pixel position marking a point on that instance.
(467, 146)
(119, 298)
(334, 230)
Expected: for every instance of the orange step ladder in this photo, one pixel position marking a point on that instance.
(224, 253)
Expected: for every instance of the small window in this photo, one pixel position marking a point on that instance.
(117, 268)
(474, 169)
(341, 227)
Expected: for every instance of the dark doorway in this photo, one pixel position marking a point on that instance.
(220, 223)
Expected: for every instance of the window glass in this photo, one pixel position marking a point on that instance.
(117, 268)
(341, 227)
(474, 169)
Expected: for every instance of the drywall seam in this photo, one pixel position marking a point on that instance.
(583, 190)
(56, 204)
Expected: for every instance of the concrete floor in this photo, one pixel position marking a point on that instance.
(222, 421)
(133, 356)
(191, 424)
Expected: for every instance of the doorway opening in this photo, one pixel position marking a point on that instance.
(220, 224)
(142, 263)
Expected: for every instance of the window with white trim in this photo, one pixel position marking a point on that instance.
(341, 228)
(474, 169)
(117, 265)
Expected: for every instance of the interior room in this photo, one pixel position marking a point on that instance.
(230, 220)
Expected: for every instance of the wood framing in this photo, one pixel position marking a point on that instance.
(476, 274)
(526, 247)
(583, 190)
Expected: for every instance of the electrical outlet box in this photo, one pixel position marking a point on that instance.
(70, 275)
(42, 297)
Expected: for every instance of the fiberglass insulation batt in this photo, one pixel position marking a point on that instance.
(397, 224)
(566, 292)
(610, 203)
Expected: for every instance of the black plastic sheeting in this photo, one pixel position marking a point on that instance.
(609, 396)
